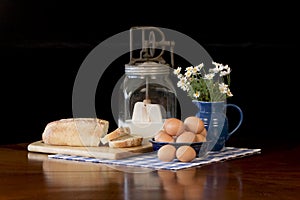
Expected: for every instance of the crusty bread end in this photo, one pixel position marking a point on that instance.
(126, 141)
(119, 132)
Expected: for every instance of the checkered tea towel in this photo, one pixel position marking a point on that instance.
(150, 160)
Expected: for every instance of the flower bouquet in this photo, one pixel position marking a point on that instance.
(211, 85)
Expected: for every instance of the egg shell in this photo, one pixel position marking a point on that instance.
(186, 137)
(166, 153)
(194, 124)
(204, 132)
(185, 153)
(163, 136)
(174, 126)
(200, 138)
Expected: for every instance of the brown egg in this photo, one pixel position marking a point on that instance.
(173, 126)
(204, 132)
(186, 137)
(185, 153)
(200, 138)
(194, 124)
(162, 136)
(166, 153)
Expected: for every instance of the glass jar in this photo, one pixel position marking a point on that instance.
(147, 83)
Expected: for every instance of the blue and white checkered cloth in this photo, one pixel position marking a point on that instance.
(150, 160)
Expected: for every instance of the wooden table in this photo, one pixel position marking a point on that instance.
(273, 174)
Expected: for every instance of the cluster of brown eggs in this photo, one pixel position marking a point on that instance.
(176, 131)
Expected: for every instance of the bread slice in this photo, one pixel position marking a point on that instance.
(121, 131)
(75, 132)
(126, 141)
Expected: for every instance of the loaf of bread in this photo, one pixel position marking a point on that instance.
(126, 141)
(75, 132)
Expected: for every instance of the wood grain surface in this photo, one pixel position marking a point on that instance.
(274, 174)
(104, 152)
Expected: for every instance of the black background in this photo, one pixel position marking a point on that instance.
(43, 44)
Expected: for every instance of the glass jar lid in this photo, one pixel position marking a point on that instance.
(147, 68)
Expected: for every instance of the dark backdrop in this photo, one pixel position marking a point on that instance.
(43, 44)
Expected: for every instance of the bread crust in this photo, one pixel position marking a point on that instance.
(119, 132)
(126, 141)
(75, 132)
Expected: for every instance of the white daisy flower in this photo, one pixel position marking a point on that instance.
(194, 71)
(196, 94)
(209, 76)
(189, 68)
(223, 88)
(188, 73)
(229, 93)
(199, 67)
(177, 71)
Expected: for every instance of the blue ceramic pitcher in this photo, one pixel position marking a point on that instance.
(215, 121)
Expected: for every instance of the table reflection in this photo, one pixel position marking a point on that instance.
(182, 184)
(123, 182)
(67, 173)
(207, 182)
(223, 180)
(213, 182)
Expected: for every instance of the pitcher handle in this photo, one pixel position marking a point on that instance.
(241, 118)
